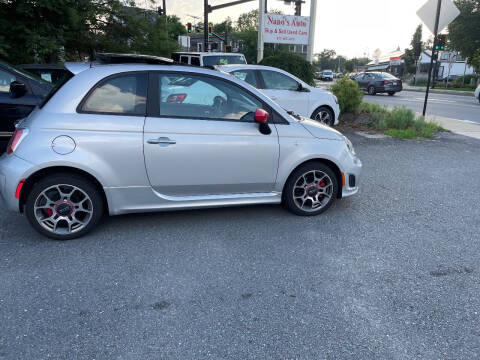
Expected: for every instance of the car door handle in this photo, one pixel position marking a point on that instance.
(162, 141)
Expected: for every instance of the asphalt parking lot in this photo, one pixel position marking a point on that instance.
(392, 273)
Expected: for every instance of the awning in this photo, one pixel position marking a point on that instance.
(378, 67)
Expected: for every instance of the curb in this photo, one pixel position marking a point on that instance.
(445, 92)
(456, 126)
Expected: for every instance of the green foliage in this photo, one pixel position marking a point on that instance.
(400, 122)
(464, 31)
(293, 63)
(416, 46)
(49, 30)
(348, 94)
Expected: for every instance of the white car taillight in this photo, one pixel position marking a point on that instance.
(16, 139)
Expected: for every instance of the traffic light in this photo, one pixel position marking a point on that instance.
(209, 31)
(189, 28)
(441, 41)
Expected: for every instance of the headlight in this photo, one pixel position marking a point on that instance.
(349, 145)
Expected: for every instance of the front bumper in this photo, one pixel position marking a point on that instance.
(351, 174)
(12, 170)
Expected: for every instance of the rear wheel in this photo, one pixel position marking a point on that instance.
(371, 90)
(64, 206)
(324, 115)
(391, 93)
(311, 189)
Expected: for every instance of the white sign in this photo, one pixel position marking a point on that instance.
(184, 41)
(428, 12)
(285, 29)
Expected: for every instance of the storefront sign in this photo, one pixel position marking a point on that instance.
(286, 29)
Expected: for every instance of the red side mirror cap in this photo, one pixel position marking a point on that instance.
(261, 116)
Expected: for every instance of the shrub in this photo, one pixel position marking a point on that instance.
(294, 64)
(348, 94)
(401, 118)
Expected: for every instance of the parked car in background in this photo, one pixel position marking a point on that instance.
(378, 82)
(318, 75)
(20, 92)
(208, 58)
(289, 92)
(327, 75)
(53, 74)
(477, 93)
(66, 163)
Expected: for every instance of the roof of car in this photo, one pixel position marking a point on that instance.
(206, 53)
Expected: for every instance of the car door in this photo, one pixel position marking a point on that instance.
(285, 91)
(361, 81)
(202, 139)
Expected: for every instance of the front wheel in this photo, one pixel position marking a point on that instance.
(64, 206)
(311, 189)
(324, 115)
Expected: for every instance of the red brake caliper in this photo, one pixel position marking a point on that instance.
(322, 185)
(49, 212)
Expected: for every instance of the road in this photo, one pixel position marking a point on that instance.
(458, 107)
(392, 273)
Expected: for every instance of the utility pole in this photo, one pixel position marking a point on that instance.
(311, 30)
(435, 33)
(261, 11)
(206, 10)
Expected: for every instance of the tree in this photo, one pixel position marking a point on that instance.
(326, 59)
(223, 27)
(464, 31)
(293, 63)
(413, 52)
(247, 21)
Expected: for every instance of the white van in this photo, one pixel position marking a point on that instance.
(208, 58)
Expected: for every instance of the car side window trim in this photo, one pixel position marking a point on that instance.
(100, 82)
(154, 92)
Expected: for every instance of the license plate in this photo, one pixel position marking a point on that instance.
(394, 83)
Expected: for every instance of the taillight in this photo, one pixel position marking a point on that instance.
(15, 140)
(176, 98)
(387, 82)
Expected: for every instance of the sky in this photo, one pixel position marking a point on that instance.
(352, 28)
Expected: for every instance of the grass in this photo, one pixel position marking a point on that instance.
(399, 122)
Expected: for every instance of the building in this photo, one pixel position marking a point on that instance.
(391, 62)
(450, 63)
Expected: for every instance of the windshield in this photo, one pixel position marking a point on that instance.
(327, 72)
(210, 60)
(57, 87)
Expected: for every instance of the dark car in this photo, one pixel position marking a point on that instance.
(51, 73)
(19, 94)
(378, 82)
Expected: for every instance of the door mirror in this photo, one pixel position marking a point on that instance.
(261, 117)
(301, 88)
(17, 89)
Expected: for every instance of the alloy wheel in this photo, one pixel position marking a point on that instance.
(324, 117)
(313, 190)
(63, 209)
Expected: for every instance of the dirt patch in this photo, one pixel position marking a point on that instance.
(351, 123)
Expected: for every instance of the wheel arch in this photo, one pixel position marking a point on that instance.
(52, 170)
(330, 164)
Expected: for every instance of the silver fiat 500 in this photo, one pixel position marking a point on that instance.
(136, 136)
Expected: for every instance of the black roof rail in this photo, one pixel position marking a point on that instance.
(113, 58)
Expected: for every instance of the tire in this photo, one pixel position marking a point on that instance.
(391, 93)
(371, 90)
(54, 196)
(324, 115)
(303, 179)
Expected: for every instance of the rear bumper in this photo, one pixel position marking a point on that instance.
(12, 170)
(396, 88)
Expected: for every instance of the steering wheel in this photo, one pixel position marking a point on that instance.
(219, 103)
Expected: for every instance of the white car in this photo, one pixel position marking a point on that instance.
(289, 92)
(477, 93)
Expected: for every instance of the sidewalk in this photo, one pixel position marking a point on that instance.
(437, 90)
(456, 126)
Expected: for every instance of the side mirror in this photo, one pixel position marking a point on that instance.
(17, 89)
(301, 88)
(261, 117)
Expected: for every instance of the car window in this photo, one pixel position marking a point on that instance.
(184, 59)
(5, 80)
(387, 76)
(195, 60)
(202, 97)
(246, 75)
(278, 81)
(124, 95)
(210, 60)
